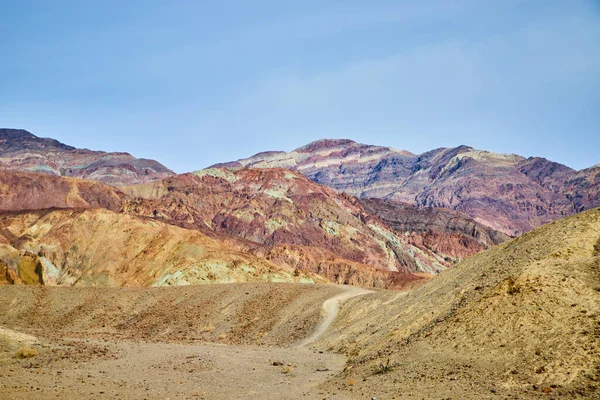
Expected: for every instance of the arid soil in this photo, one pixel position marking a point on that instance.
(156, 343)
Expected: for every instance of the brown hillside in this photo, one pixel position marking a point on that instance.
(521, 319)
(34, 191)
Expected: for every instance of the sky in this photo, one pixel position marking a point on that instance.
(191, 83)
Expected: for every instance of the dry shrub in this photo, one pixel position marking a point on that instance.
(26, 352)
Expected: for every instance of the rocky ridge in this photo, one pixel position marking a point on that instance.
(506, 192)
(21, 150)
(52, 195)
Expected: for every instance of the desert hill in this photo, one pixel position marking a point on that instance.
(521, 319)
(31, 191)
(506, 192)
(276, 207)
(103, 248)
(22, 151)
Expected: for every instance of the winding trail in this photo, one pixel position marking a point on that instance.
(331, 308)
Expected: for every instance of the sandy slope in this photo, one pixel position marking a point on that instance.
(155, 343)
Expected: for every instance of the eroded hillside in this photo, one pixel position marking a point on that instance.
(276, 207)
(521, 319)
(103, 248)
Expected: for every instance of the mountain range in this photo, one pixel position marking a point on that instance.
(506, 192)
(140, 251)
(23, 151)
(333, 210)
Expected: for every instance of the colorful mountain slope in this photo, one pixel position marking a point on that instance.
(277, 206)
(449, 233)
(22, 151)
(506, 192)
(103, 248)
(34, 191)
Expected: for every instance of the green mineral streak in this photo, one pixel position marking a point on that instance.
(275, 223)
(278, 194)
(218, 173)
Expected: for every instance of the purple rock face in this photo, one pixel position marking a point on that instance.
(506, 192)
(23, 151)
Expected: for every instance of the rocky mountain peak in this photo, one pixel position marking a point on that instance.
(23, 151)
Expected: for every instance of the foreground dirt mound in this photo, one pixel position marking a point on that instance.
(103, 248)
(245, 313)
(521, 319)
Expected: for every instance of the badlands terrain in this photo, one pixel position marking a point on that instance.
(336, 271)
(521, 320)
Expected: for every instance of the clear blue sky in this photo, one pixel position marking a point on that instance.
(192, 82)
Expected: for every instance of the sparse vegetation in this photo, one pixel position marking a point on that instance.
(26, 352)
(287, 370)
(385, 367)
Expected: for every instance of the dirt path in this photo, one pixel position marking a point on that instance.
(111, 366)
(331, 308)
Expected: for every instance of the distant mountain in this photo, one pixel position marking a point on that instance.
(20, 150)
(506, 192)
(46, 237)
(102, 248)
(447, 232)
(279, 207)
